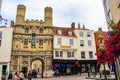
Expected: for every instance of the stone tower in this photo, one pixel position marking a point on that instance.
(32, 46)
(20, 16)
(48, 15)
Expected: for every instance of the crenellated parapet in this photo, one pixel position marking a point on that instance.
(48, 15)
(34, 22)
(20, 17)
(21, 6)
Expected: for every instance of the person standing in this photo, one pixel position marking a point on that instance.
(80, 70)
(29, 75)
(21, 75)
(16, 77)
(6, 75)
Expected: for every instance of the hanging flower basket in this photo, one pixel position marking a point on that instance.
(99, 54)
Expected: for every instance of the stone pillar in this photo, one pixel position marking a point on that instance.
(47, 72)
(20, 63)
(45, 63)
(29, 68)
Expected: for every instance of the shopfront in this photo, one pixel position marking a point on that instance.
(69, 67)
(4, 70)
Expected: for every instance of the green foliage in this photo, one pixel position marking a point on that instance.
(113, 26)
(101, 49)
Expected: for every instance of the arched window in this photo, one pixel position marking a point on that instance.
(41, 30)
(26, 30)
(40, 42)
(25, 41)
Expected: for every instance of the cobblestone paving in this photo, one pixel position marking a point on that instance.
(72, 77)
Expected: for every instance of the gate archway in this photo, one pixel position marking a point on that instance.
(37, 64)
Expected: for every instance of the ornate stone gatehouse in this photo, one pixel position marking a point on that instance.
(32, 47)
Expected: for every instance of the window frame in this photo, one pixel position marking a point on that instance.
(89, 42)
(41, 30)
(59, 32)
(25, 41)
(0, 34)
(71, 42)
(59, 41)
(40, 42)
(82, 54)
(88, 34)
(26, 30)
(81, 42)
(81, 34)
(70, 54)
(90, 54)
(58, 54)
(70, 33)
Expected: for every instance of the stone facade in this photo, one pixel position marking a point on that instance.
(32, 43)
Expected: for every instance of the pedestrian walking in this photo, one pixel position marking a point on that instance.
(29, 75)
(80, 70)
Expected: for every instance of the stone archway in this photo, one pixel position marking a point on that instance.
(37, 64)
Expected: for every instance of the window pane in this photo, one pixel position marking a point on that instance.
(26, 42)
(82, 54)
(81, 42)
(26, 30)
(59, 32)
(0, 34)
(81, 34)
(59, 41)
(41, 30)
(61, 54)
(71, 41)
(69, 33)
(90, 54)
(89, 42)
(40, 42)
(72, 54)
(68, 54)
(88, 34)
(56, 54)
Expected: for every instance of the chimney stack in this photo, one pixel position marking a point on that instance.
(73, 25)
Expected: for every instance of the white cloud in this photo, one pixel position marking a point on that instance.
(88, 12)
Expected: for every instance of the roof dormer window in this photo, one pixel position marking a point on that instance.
(70, 33)
(59, 32)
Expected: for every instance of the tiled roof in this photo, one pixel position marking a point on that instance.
(64, 31)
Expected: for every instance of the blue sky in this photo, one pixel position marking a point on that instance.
(87, 12)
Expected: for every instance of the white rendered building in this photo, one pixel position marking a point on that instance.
(65, 49)
(86, 48)
(5, 49)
